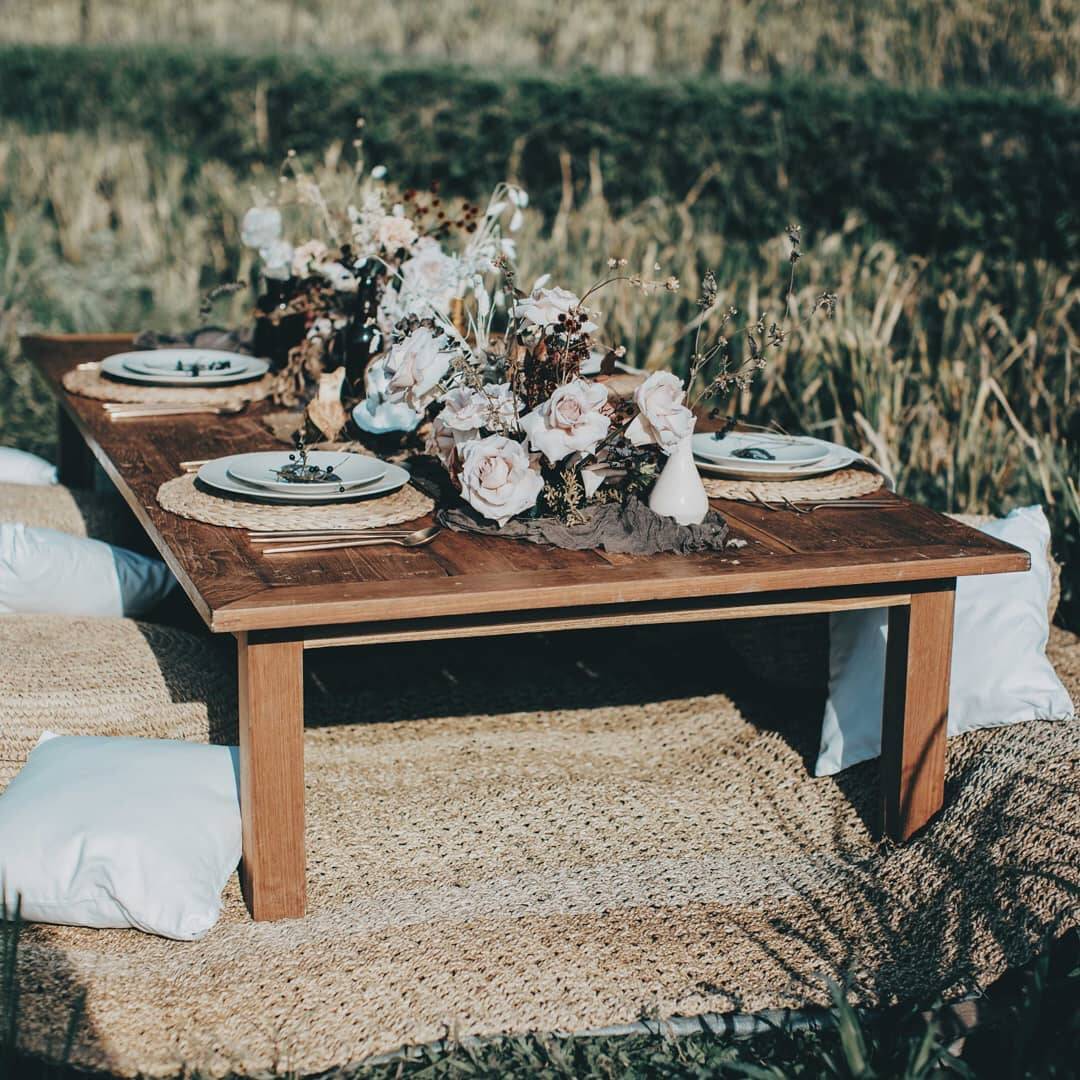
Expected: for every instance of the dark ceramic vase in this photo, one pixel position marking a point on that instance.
(274, 339)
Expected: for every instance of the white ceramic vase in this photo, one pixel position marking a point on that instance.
(678, 492)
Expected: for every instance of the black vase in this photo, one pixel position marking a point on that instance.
(273, 339)
(361, 339)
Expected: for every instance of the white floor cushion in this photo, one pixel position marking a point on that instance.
(43, 571)
(116, 832)
(1000, 673)
(19, 467)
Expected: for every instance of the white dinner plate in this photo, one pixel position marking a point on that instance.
(836, 457)
(134, 367)
(787, 452)
(199, 363)
(215, 474)
(352, 470)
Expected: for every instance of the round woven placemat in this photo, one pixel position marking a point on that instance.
(842, 484)
(182, 496)
(90, 383)
(496, 842)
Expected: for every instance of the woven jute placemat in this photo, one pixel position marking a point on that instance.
(90, 383)
(182, 496)
(497, 842)
(842, 484)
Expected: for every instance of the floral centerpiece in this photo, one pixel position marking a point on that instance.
(415, 310)
(330, 301)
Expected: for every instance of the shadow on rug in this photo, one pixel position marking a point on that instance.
(566, 833)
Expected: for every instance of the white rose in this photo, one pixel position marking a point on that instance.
(305, 255)
(429, 280)
(277, 260)
(542, 307)
(395, 233)
(417, 365)
(341, 278)
(663, 417)
(261, 227)
(467, 411)
(572, 420)
(497, 478)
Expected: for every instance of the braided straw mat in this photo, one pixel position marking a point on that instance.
(90, 383)
(544, 834)
(842, 484)
(181, 496)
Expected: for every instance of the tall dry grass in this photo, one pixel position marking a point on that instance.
(907, 42)
(962, 378)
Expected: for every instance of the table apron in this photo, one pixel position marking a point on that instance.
(590, 617)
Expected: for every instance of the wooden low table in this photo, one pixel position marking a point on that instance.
(906, 559)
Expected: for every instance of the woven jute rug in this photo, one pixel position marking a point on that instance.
(182, 496)
(559, 833)
(90, 383)
(843, 484)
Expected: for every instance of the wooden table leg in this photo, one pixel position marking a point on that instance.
(75, 463)
(916, 709)
(273, 870)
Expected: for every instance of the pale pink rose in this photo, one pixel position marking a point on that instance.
(663, 417)
(572, 420)
(395, 233)
(497, 478)
(417, 365)
(429, 280)
(305, 255)
(494, 407)
(544, 306)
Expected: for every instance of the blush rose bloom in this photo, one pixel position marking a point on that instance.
(542, 307)
(497, 478)
(417, 365)
(307, 253)
(663, 417)
(395, 232)
(261, 227)
(572, 420)
(430, 279)
(467, 411)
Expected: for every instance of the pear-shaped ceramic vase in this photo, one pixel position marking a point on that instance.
(678, 492)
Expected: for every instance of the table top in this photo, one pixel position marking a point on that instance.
(235, 588)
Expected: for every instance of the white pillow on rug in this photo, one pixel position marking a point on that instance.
(116, 832)
(19, 467)
(1000, 673)
(43, 571)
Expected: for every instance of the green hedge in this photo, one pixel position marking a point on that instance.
(933, 172)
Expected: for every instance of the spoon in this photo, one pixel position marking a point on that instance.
(409, 540)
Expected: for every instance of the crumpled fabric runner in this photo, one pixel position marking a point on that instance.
(630, 528)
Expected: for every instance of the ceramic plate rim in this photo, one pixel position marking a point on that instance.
(835, 459)
(214, 474)
(113, 367)
(764, 466)
(236, 361)
(283, 486)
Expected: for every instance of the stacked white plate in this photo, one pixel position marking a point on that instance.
(184, 367)
(257, 476)
(743, 455)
